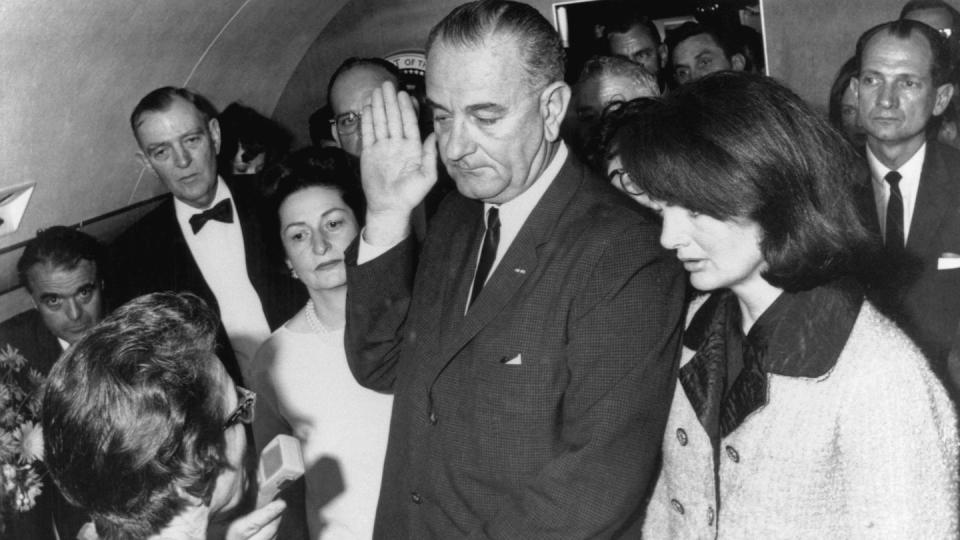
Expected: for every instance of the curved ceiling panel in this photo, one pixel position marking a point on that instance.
(73, 70)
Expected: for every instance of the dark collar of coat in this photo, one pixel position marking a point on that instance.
(800, 335)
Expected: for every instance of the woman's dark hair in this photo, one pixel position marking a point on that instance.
(849, 70)
(133, 412)
(316, 167)
(615, 116)
(242, 125)
(60, 247)
(740, 145)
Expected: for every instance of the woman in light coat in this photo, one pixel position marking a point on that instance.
(800, 411)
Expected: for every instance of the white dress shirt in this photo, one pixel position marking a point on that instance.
(219, 252)
(909, 185)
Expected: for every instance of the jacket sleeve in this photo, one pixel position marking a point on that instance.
(622, 351)
(378, 297)
(899, 447)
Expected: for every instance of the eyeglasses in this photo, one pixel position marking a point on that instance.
(622, 178)
(246, 400)
(347, 123)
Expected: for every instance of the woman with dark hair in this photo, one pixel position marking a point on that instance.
(801, 411)
(607, 158)
(143, 427)
(843, 112)
(302, 376)
(250, 143)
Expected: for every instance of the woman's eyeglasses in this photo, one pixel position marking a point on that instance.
(623, 179)
(246, 400)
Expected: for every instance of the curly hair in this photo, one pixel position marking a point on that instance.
(136, 405)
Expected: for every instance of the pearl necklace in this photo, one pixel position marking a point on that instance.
(313, 321)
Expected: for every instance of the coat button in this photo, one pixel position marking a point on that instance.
(677, 506)
(415, 497)
(732, 453)
(433, 418)
(710, 515)
(682, 436)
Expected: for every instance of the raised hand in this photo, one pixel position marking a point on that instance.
(396, 168)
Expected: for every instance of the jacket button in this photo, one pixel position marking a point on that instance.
(433, 418)
(677, 506)
(682, 436)
(710, 515)
(415, 497)
(732, 453)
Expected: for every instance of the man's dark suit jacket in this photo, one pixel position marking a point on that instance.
(27, 334)
(925, 301)
(539, 413)
(153, 256)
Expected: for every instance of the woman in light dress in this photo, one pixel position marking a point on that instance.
(301, 375)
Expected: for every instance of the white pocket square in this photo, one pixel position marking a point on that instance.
(948, 261)
(515, 361)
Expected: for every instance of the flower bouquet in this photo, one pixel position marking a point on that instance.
(21, 440)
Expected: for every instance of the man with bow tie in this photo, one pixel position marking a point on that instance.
(207, 238)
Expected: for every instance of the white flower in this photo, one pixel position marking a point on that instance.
(9, 476)
(28, 491)
(12, 358)
(31, 442)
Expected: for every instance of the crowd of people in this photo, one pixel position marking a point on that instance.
(670, 300)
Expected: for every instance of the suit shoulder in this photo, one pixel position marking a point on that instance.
(603, 209)
(945, 151)
(26, 333)
(27, 320)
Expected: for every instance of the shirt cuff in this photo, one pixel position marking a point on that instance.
(368, 252)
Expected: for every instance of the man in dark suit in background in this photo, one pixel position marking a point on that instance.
(913, 196)
(208, 237)
(62, 269)
(533, 359)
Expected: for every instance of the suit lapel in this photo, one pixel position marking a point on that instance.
(867, 204)
(464, 242)
(254, 247)
(519, 263)
(187, 273)
(50, 349)
(934, 196)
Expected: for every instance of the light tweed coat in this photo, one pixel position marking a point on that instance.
(869, 450)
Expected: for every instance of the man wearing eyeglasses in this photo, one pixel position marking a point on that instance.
(351, 86)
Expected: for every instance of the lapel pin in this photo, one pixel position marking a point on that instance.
(520, 270)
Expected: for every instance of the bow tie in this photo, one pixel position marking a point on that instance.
(222, 211)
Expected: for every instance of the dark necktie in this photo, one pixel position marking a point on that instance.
(222, 211)
(488, 253)
(894, 237)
